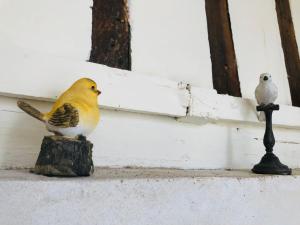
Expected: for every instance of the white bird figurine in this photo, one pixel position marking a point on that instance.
(266, 92)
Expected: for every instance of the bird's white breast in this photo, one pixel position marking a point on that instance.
(80, 129)
(266, 93)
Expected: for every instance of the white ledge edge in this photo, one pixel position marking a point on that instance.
(43, 77)
(208, 106)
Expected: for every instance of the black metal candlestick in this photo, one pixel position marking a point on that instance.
(270, 163)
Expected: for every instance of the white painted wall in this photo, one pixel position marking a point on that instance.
(131, 139)
(55, 27)
(145, 121)
(148, 135)
(258, 46)
(171, 44)
(295, 8)
(169, 39)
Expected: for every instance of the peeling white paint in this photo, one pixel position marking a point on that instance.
(207, 105)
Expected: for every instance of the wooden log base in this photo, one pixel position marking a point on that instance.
(68, 157)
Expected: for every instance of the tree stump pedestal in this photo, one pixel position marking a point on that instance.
(68, 157)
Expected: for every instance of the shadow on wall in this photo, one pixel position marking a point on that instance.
(20, 139)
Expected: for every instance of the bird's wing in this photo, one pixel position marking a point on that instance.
(275, 92)
(257, 94)
(65, 116)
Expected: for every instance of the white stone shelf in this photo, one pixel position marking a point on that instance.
(150, 196)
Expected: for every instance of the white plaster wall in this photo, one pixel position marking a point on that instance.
(295, 9)
(59, 28)
(258, 46)
(169, 39)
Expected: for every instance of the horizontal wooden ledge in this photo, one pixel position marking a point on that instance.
(43, 77)
(207, 106)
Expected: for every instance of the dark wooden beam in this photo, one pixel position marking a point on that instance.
(224, 66)
(290, 48)
(111, 34)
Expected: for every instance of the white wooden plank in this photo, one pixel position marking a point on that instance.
(38, 76)
(295, 9)
(207, 105)
(121, 139)
(44, 77)
(258, 46)
(169, 39)
(131, 139)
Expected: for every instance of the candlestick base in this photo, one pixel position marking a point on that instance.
(270, 164)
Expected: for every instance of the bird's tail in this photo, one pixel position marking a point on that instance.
(31, 111)
(262, 116)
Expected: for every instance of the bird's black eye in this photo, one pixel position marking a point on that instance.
(93, 87)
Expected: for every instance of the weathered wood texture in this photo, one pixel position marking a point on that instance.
(62, 156)
(290, 48)
(224, 66)
(111, 34)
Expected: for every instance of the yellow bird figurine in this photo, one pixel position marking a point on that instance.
(74, 113)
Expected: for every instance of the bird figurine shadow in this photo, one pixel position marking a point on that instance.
(73, 116)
